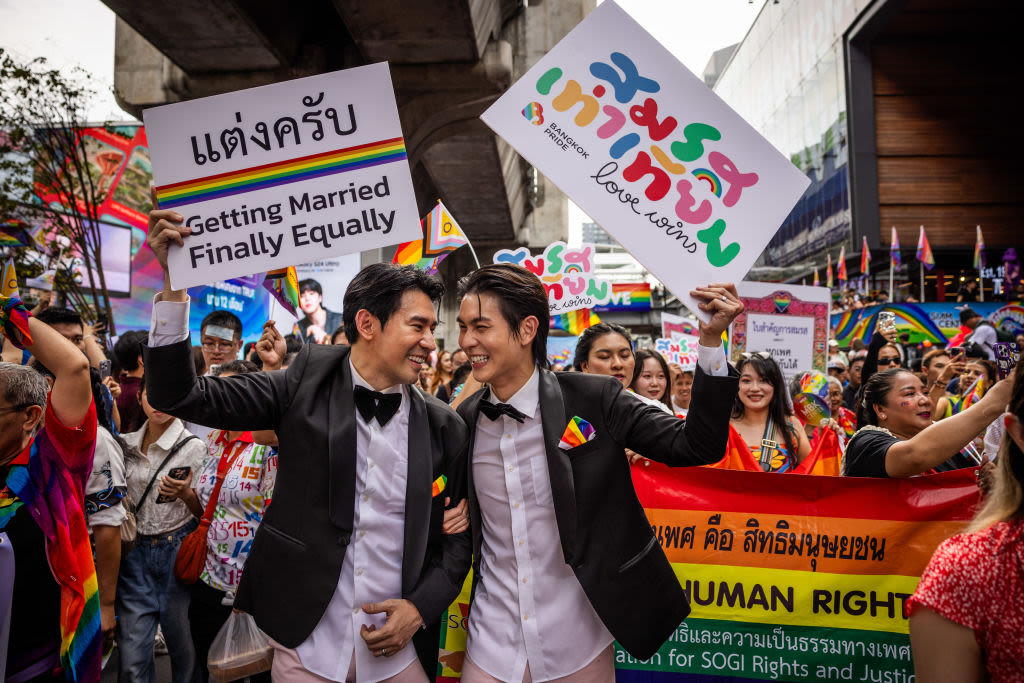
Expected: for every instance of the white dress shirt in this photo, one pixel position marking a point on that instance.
(529, 607)
(372, 570)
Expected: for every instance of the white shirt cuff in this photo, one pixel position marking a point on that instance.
(170, 321)
(711, 360)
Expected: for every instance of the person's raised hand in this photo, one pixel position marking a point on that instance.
(111, 384)
(721, 301)
(271, 347)
(165, 228)
(950, 371)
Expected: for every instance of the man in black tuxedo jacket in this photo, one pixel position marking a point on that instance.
(350, 560)
(564, 557)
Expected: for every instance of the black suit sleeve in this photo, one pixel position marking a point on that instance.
(699, 440)
(241, 402)
(442, 578)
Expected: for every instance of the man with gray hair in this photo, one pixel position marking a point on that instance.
(48, 596)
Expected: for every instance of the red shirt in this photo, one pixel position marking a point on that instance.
(977, 581)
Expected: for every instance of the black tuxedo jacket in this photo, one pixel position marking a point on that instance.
(296, 557)
(604, 533)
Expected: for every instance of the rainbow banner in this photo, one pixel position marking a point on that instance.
(933, 322)
(628, 296)
(280, 173)
(790, 578)
(794, 578)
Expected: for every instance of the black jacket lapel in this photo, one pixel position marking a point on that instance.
(554, 421)
(470, 410)
(341, 455)
(421, 457)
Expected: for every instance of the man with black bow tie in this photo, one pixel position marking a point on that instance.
(565, 561)
(350, 561)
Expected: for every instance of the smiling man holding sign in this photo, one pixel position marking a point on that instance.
(645, 148)
(283, 174)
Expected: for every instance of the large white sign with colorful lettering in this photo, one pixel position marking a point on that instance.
(647, 150)
(283, 174)
(567, 274)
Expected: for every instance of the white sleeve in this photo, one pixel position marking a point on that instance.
(711, 360)
(170, 321)
(994, 438)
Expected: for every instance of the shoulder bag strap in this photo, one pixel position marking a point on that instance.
(222, 469)
(768, 444)
(177, 447)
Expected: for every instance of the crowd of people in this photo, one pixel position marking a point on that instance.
(338, 482)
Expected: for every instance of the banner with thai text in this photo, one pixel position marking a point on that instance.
(790, 577)
(650, 152)
(283, 174)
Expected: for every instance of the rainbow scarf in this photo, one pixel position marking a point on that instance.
(39, 479)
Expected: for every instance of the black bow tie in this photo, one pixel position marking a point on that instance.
(371, 404)
(495, 410)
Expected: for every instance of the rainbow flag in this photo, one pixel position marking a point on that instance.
(865, 256)
(283, 285)
(280, 173)
(894, 250)
(841, 267)
(15, 233)
(441, 236)
(817, 280)
(574, 322)
(979, 249)
(790, 575)
(824, 458)
(828, 273)
(924, 251)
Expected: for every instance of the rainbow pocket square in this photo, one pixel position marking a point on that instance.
(577, 433)
(438, 486)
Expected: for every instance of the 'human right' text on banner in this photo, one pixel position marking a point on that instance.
(794, 578)
(645, 148)
(282, 174)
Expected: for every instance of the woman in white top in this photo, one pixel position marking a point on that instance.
(147, 592)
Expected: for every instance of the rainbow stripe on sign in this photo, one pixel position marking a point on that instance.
(281, 173)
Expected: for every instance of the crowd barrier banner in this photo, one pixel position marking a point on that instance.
(790, 577)
(567, 273)
(283, 174)
(644, 147)
(934, 322)
(788, 321)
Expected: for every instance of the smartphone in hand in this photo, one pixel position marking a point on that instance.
(179, 473)
(1007, 357)
(957, 354)
(105, 366)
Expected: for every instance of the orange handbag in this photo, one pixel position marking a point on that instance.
(191, 558)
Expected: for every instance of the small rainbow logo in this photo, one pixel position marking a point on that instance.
(534, 113)
(782, 300)
(711, 179)
(574, 268)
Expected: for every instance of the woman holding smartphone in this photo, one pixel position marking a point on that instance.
(147, 592)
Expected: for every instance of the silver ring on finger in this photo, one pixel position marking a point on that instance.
(384, 651)
(725, 298)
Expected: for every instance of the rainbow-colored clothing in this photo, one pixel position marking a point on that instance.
(49, 478)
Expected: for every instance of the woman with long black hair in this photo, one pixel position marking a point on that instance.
(762, 416)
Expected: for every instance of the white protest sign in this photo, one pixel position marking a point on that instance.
(567, 275)
(283, 174)
(791, 322)
(647, 150)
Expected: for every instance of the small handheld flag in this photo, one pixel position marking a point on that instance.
(283, 285)
(9, 286)
(894, 250)
(924, 251)
(441, 236)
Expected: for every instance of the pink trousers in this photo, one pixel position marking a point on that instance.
(288, 669)
(601, 669)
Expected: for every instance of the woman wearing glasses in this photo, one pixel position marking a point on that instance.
(762, 416)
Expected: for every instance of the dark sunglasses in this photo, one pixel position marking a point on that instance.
(888, 361)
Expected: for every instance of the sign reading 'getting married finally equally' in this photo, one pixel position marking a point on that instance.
(645, 148)
(283, 174)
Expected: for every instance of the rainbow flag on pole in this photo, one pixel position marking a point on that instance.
(979, 249)
(894, 250)
(841, 267)
(574, 322)
(441, 236)
(283, 285)
(924, 251)
(817, 280)
(865, 256)
(828, 273)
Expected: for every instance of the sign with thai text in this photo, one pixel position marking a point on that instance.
(567, 275)
(681, 349)
(283, 174)
(650, 152)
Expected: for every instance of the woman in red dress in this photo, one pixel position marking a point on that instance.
(967, 615)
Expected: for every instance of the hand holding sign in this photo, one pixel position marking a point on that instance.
(165, 228)
(723, 304)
